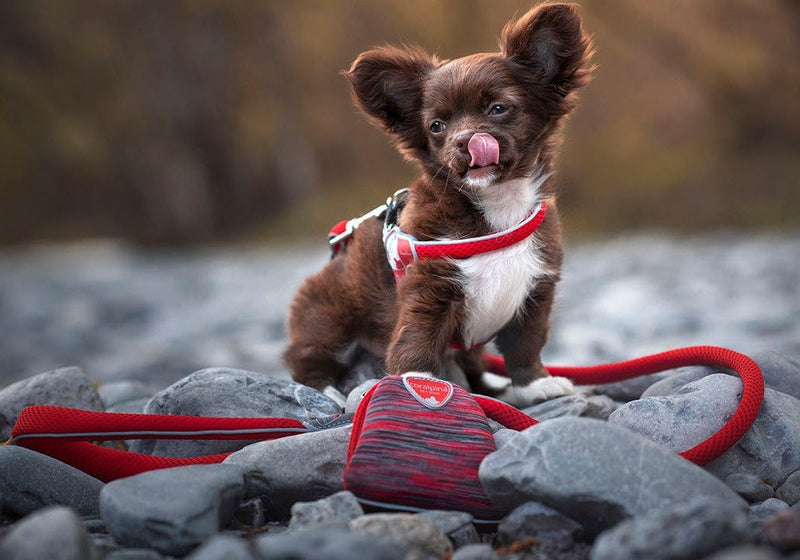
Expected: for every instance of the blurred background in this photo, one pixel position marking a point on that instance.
(169, 172)
(194, 122)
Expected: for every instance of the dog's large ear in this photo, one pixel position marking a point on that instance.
(550, 47)
(387, 85)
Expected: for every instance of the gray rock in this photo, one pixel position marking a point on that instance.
(578, 404)
(403, 529)
(93, 524)
(629, 389)
(600, 407)
(250, 513)
(594, 472)
(789, 491)
(771, 448)
(326, 544)
(355, 396)
(502, 436)
(31, 481)
(54, 533)
(678, 379)
(750, 487)
(223, 547)
(475, 552)
(495, 426)
(102, 544)
(135, 554)
(457, 525)
(685, 418)
(541, 522)
(684, 532)
(782, 531)
(117, 392)
(335, 395)
(781, 371)
(761, 512)
(745, 552)
(232, 393)
(135, 406)
(171, 510)
(61, 387)
(300, 468)
(337, 509)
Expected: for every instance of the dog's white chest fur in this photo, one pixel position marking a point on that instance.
(496, 284)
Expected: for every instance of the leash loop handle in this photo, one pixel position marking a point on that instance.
(65, 433)
(727, 436)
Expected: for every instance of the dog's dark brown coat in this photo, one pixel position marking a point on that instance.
(544, 58)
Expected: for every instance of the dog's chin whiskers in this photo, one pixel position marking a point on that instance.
(458, 187)
(449, 183)
(438, 174)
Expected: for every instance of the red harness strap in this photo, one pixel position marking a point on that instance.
(339, 235)
(403, 249)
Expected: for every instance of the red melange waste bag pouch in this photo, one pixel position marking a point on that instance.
(417, 443)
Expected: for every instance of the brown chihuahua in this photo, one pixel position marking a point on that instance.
(484, 129)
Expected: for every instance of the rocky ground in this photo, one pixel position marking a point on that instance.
(599, 477)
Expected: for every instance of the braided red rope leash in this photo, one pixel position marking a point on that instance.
(65, 433)
(717, 444)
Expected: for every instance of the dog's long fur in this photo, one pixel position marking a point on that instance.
(430, 109)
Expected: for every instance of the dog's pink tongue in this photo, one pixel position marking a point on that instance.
(484, 150)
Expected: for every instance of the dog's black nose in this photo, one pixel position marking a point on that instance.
(462, 142)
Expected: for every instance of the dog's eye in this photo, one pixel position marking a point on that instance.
(497, 109)
(437, 126)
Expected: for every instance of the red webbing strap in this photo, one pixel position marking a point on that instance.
(338, 229)
(110, 464)
(64, 433)
(505, 414)
(717, 444)
(463, 248)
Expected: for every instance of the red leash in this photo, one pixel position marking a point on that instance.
(65, 433)
(717, 444)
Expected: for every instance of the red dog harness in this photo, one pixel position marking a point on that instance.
(402, 249)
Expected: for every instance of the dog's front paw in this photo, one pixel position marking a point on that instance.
(542, 389)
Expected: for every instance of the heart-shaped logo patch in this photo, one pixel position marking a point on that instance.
(430, 392)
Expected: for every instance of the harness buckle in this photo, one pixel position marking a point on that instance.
(394, 204)
(337, 238)
(401, 251)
